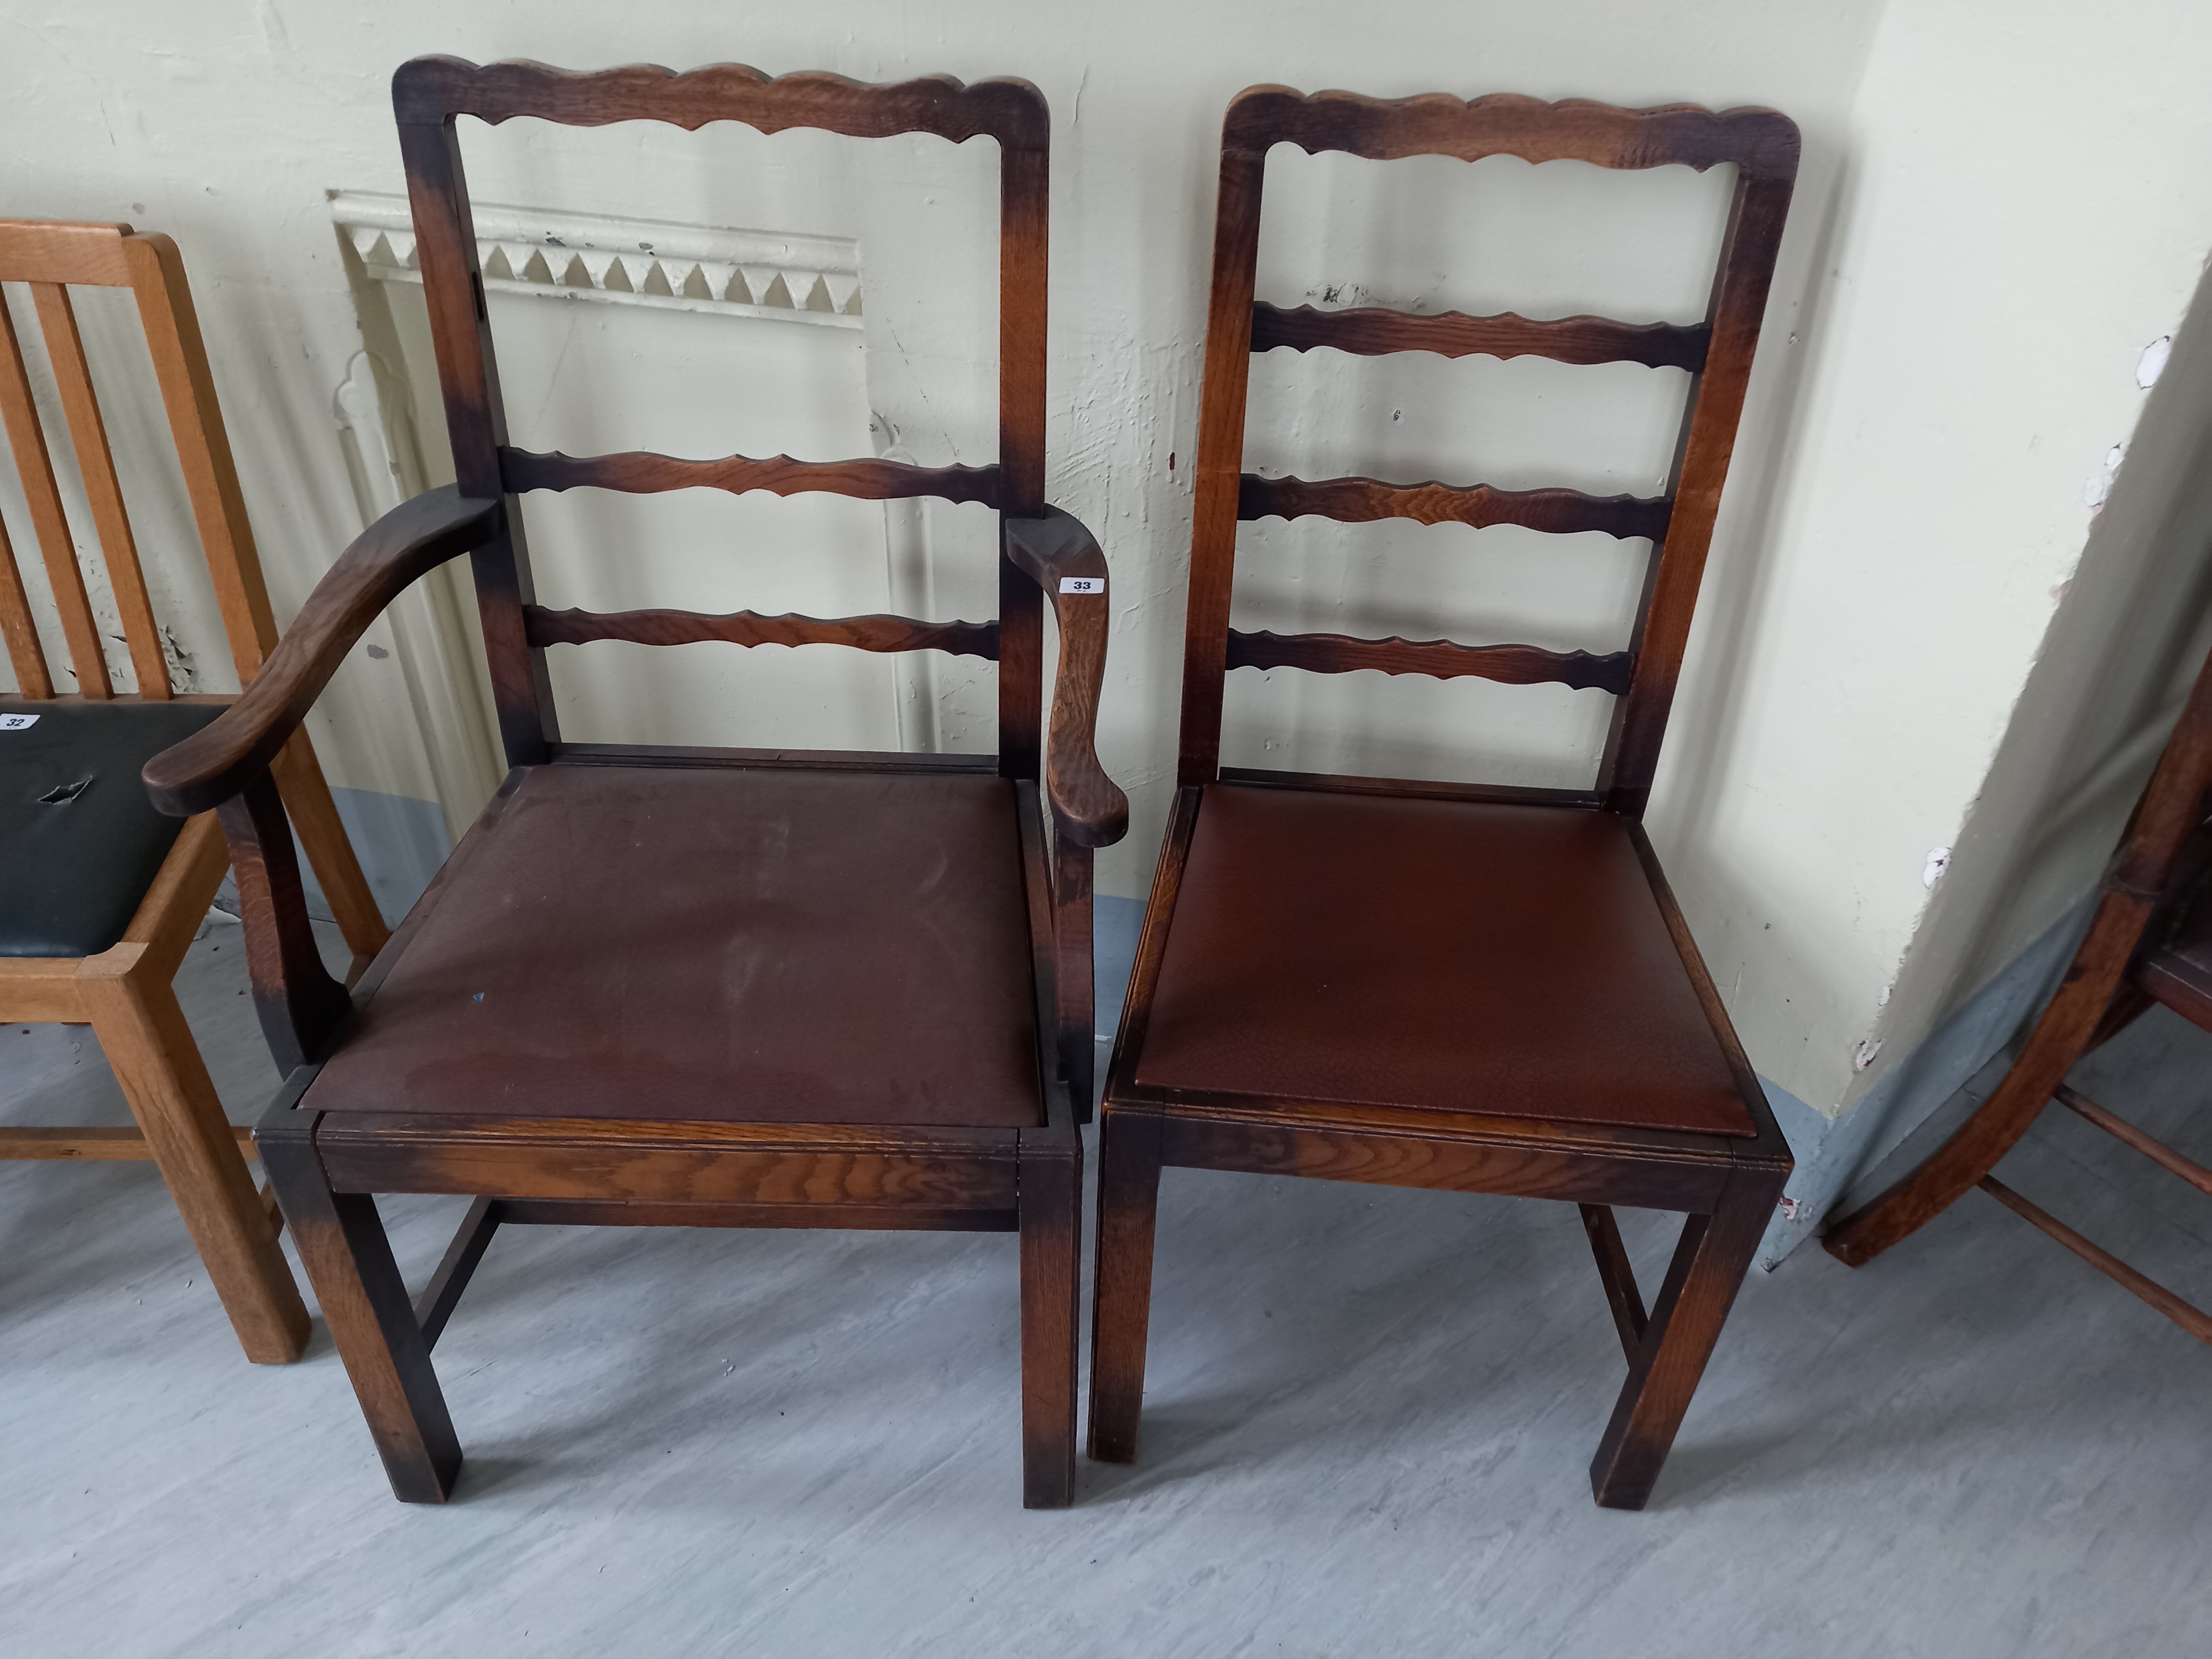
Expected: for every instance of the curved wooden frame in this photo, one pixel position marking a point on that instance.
(2131, 956)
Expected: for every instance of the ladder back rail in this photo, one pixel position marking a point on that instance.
(1375, 331)
(55, 250)
(1359, 501)
(1762, 145)
(35, 468)
(1443, 660)
(643, 472)
(103, 490)
(429, 94)
(1760, 141)
(876, 632)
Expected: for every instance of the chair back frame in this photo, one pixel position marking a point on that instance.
(51, 257)
(1763, 146)
(430, 94)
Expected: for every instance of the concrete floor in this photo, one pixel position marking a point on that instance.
(1369, 1417)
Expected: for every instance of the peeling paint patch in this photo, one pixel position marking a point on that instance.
(2100, 481)
(1864, 1053)
(1939, 861)
(2152, 363)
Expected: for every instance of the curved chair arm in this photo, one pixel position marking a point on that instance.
(1063, 558)
(217, 763)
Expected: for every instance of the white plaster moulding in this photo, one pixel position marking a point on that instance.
(771, 274)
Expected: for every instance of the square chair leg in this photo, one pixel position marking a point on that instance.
(140, 1027)
(1128, 1201)
(342, 1240)
(1702, 1280)
(1051, 1202)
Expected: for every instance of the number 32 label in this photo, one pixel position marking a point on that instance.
(1082, 584)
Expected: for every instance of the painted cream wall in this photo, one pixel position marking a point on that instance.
(1998, 209)
(2028, 208)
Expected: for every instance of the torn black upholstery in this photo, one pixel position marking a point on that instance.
(80, 842)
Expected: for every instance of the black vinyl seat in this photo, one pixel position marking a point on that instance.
(80, 842)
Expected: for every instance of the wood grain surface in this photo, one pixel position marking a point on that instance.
(878, 633)
(1512, 664)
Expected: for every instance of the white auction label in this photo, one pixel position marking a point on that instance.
(1082, 584)
(17, 722)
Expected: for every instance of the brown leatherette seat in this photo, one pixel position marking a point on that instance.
(1452, 955)
(764, 945)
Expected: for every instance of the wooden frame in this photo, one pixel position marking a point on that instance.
(326, 1164)
(123, 992)
(2149, 941)
(1726, 1186)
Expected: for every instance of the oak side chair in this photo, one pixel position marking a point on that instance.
(101, 895)
(1458, 986)
(2149, 941)
(694, 987)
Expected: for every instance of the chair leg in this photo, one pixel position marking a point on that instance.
(1051, 1208)
(135, 1016)
(1128, 1201)
(1702, 1281)
(1074, 991)
(342, 1240)
(315, 816)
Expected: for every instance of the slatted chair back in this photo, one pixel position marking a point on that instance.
(52, 258)
(429, 94)
(1718, 352)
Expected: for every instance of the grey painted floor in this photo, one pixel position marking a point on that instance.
(1370, 1418)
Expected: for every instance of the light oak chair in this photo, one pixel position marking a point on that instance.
(1471, 988)
(663, 986)
(100, 894)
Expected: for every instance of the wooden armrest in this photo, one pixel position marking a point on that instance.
(217, 762)
(1063, 558)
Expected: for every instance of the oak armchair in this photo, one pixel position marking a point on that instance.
(691, 986)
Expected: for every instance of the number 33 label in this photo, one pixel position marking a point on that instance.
(1082, 584)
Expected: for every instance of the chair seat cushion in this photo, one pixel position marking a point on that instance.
(725, 945)
(1377, 951)
(80, 843)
